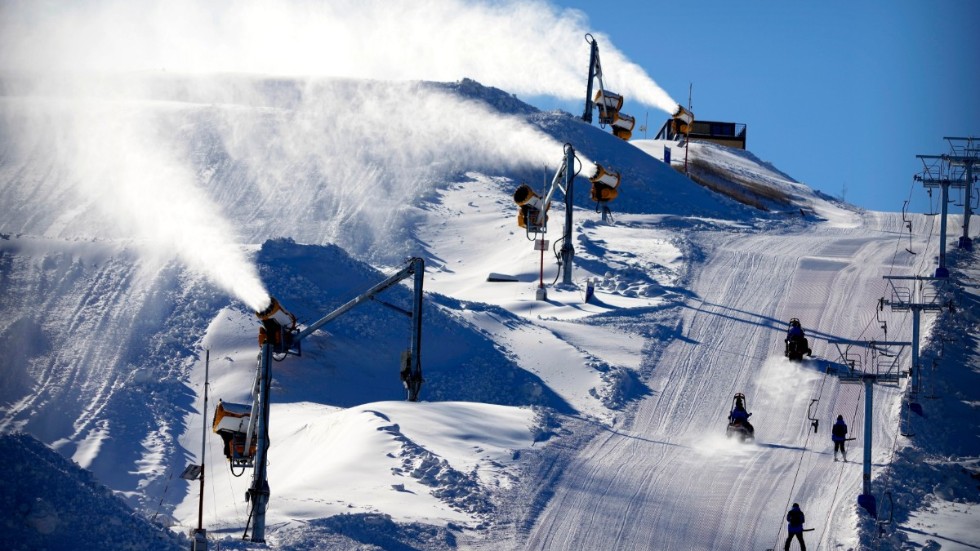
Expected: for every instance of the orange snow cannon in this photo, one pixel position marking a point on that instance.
(622, 126)
(530, 215)
(605, 184)
(683, 120)
(278, 327)
(609, 104)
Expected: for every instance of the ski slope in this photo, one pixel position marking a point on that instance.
(558, 424)
(680, 484)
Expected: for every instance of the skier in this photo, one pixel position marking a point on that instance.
(839, 434)
(796, 519)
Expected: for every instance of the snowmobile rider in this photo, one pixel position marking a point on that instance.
(795, 334)
(795, 518)
(795, 330)
(740, 416)
(839, 435)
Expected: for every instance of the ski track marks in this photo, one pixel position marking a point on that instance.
(684, 476)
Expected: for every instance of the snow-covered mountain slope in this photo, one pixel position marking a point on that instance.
(545, 424)
(52, 503)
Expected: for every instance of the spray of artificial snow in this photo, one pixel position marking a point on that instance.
(129, 177)
(527, 47)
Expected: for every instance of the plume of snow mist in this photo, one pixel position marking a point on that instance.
(524, 46)
(117, 172)
(353, 159)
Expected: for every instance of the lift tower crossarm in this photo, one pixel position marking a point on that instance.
(867, 499)
(904, 300)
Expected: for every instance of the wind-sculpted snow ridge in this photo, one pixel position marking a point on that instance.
(52, 503)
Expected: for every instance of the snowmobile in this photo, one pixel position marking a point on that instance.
(796, 343)
(738, 420)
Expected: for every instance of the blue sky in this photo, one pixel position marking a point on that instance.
(834, 93)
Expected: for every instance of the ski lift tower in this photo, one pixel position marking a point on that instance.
(279, 339)
(964, 154)
(883, 368)
(945, 171)
(915, 298)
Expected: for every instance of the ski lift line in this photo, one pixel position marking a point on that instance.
(789, 498)
(840, 472)
(806, 442)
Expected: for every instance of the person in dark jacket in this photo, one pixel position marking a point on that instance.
(839, 435)
(795, 518)
(739, 415)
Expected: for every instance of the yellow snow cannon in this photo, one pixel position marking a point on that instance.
(278, 328)
(605, 184)
(231, 424)
(609, 104)
(532, 215)
(622, 126)
(683, 120)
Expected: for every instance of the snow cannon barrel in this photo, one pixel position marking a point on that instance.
(530, 214)
(683, 120)
(278, 326)
(609, 104)
(605, 184)
(231, 423)
(622, 126)
(608, 100)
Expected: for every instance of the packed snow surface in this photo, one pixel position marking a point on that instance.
(562, 423)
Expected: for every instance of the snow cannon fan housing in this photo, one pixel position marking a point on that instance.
(609, 104)
(231, 423)
(605, 184)
(278, 328)
(683, 121)
(622, 126)
(531, 215)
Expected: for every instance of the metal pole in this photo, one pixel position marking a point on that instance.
(941, 271)
(567, 251)
(868, 403)
(916, 310)
(415, 377)
(259, 492)
(965, 242)
(199, 542)
(587, 115)
(200, 506)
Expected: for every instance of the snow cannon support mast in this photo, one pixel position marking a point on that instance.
(278, 338)
(533, 210)
(609, 103)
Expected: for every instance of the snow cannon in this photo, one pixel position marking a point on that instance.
(605, 184)
(683, 120)
(231, 424)
(530, 216)
(622, 126)
(609, 104)
(278, 329)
